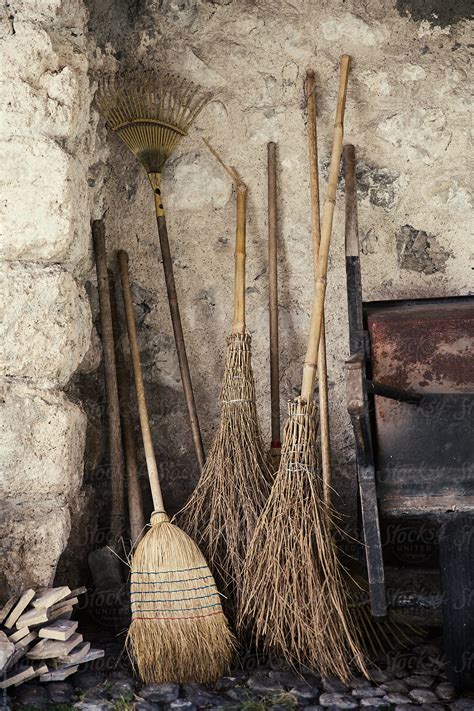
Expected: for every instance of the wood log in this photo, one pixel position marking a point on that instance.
(7, 608)
(17, 678)
(32, 618)
(60, 630)
(50, 596)
(59, 674)
(51, 648)
(76, 656)
(25, 599)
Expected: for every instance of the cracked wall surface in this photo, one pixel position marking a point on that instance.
(408, 116)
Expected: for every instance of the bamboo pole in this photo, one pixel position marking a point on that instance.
(315, 328)
(273, 295)
(122, 258)
(316, 237)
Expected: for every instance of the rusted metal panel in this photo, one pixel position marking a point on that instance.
(425, 452)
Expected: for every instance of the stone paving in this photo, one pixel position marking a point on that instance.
(413, 679)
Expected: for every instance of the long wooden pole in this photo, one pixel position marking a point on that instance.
(238, 325)
(152, 467)
(315, 328)
(117, 479)
(134, 493)
(316, 238)
(273, 294)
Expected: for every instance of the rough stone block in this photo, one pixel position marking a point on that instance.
(46, 323)
(43, 205)
(33, 539)
(42, 444)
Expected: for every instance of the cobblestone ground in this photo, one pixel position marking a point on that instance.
(412, 679)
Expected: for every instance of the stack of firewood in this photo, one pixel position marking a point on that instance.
(39, 639)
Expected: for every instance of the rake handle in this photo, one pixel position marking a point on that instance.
(179, 337)
(238, 325)
(153, 475)
(273, 294)
(315, 328)
(316, 237)
(135, 499)
(113, 407)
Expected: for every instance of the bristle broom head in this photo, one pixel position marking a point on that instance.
(150, 114)
(293, 591)
(235, 482)
(179, 632)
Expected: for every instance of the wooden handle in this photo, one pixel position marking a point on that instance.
(240, 236)
(316, 238)
(134, 492)
(113, 408)
(122, 258)
(273, 294)
(328, 214)
(179, 339)
(353, 272)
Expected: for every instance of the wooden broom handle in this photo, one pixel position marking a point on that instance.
(113, 408)
(135, 500)
(238, 325)
(273, 294)
(122, 258)
(315, 328)
(316, 237)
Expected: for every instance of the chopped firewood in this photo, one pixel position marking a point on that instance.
(18, 634)
(20, 606)
(76, 593)
(7, 650)
(21, 648)
(7, 608)
(50, 648)
(65, 604)
(40, 669)
(61, 629)
(59, 674)
(17, 677)
(93, 655)
(63, 613)
(50, 596)
(76, 656)
(32, 618)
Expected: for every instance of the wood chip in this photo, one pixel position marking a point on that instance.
(50, 648)
(59, 674)
(77, 654)
(17, 678)
(60, 629)
(7, 608)
(32, 618)
(20, 606)
(49, 597)
(18, 634)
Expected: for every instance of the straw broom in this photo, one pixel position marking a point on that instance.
(151, 116)
(179, 632)
(235, 482)
(293, 586)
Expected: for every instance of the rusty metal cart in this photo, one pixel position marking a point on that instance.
(410, 396)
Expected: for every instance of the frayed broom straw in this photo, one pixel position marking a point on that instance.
(179, 632)
(293, 586)
(235, 482)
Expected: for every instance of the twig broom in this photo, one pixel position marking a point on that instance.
(151, 117)
(293, 587)
(179, 632)
(235, 482)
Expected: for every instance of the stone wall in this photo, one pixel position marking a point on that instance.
(408, 116)
(47, 146)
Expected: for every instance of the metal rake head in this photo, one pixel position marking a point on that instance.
(150, 114)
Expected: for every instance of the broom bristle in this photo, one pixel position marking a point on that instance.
(150, 114)
(235, 482)
(293, 587)
(179, 632)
